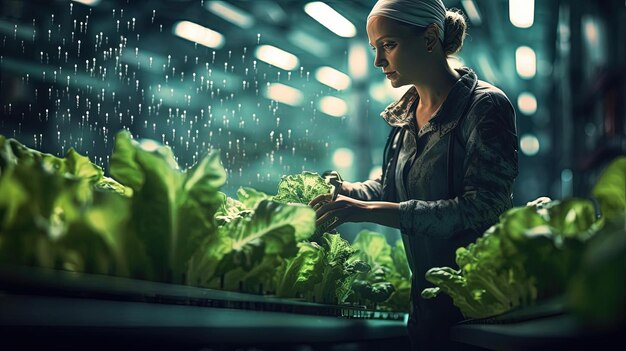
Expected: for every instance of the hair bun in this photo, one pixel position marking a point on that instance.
(454, 31)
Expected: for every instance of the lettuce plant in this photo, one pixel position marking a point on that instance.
(338, 270)
(610, 189)
(172, 209)
(152, 220)
(532, 252)
(273, 229)
(301, 188)
(300, 273)
(373, 287)
(53, 214)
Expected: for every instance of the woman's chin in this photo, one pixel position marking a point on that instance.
(396, 83)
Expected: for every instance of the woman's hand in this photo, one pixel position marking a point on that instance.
(345, 209)
(334, 213)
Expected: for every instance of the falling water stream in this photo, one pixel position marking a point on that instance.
(78, 75)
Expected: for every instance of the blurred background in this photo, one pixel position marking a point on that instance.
(282, 86)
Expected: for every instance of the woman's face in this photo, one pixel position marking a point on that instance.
(400, 52)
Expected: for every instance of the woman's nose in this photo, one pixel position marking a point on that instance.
(380, 62)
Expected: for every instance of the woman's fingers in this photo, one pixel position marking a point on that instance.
(320, 200)
(328, 221)
(330, 214)
(328, 206)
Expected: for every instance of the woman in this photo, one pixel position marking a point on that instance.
(450, 160)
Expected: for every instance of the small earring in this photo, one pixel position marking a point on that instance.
(430, 49)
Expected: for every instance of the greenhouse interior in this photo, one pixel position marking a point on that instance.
(221, 175)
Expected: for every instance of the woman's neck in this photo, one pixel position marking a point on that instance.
(435, 88)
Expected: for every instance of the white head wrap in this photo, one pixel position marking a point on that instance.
(419, 13)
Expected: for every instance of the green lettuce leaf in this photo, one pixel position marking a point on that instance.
(206, 264)
(109, 184)
(231, 209)
(597, 291)
(373, 248)
(51, 216)
(279, 226)
(248, 200)
(273, 229)
(533, 252)
(301, 188)
(474, 302)
(258, 280)
(610, 189)
(400, 278)
(250, 197)
(373, 287)
(374, 292)
(173, 210)
(339, 270)
(299, 274)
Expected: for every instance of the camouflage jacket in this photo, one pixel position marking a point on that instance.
(453, 178)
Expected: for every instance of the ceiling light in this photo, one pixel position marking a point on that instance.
(333, 106)
(343, 158)
(330, 19)
(277, 57)
(357, 61)
(199, 34)
(525, 62)
(522, 13)
(88, 2)
(529, 144)
(284, 94)
(230, 13)
(332, 77)
(527, 103)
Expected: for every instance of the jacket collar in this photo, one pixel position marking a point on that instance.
(399, 114)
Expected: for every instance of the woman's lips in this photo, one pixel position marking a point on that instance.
(390, 74)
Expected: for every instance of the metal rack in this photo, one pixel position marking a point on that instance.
(544, 326)
(47, 307)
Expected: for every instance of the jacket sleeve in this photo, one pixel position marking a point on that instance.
(369, 190)
(490, 169)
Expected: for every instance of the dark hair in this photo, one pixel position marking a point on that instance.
(454, 32)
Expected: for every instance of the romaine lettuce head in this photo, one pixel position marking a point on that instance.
(244, 242)
(298, 275)
(172, 209)
(339, 270)
(301, 188)
(51, 216)
(532, 252)
(374, 286)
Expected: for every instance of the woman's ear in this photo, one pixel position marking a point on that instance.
(431, 36)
